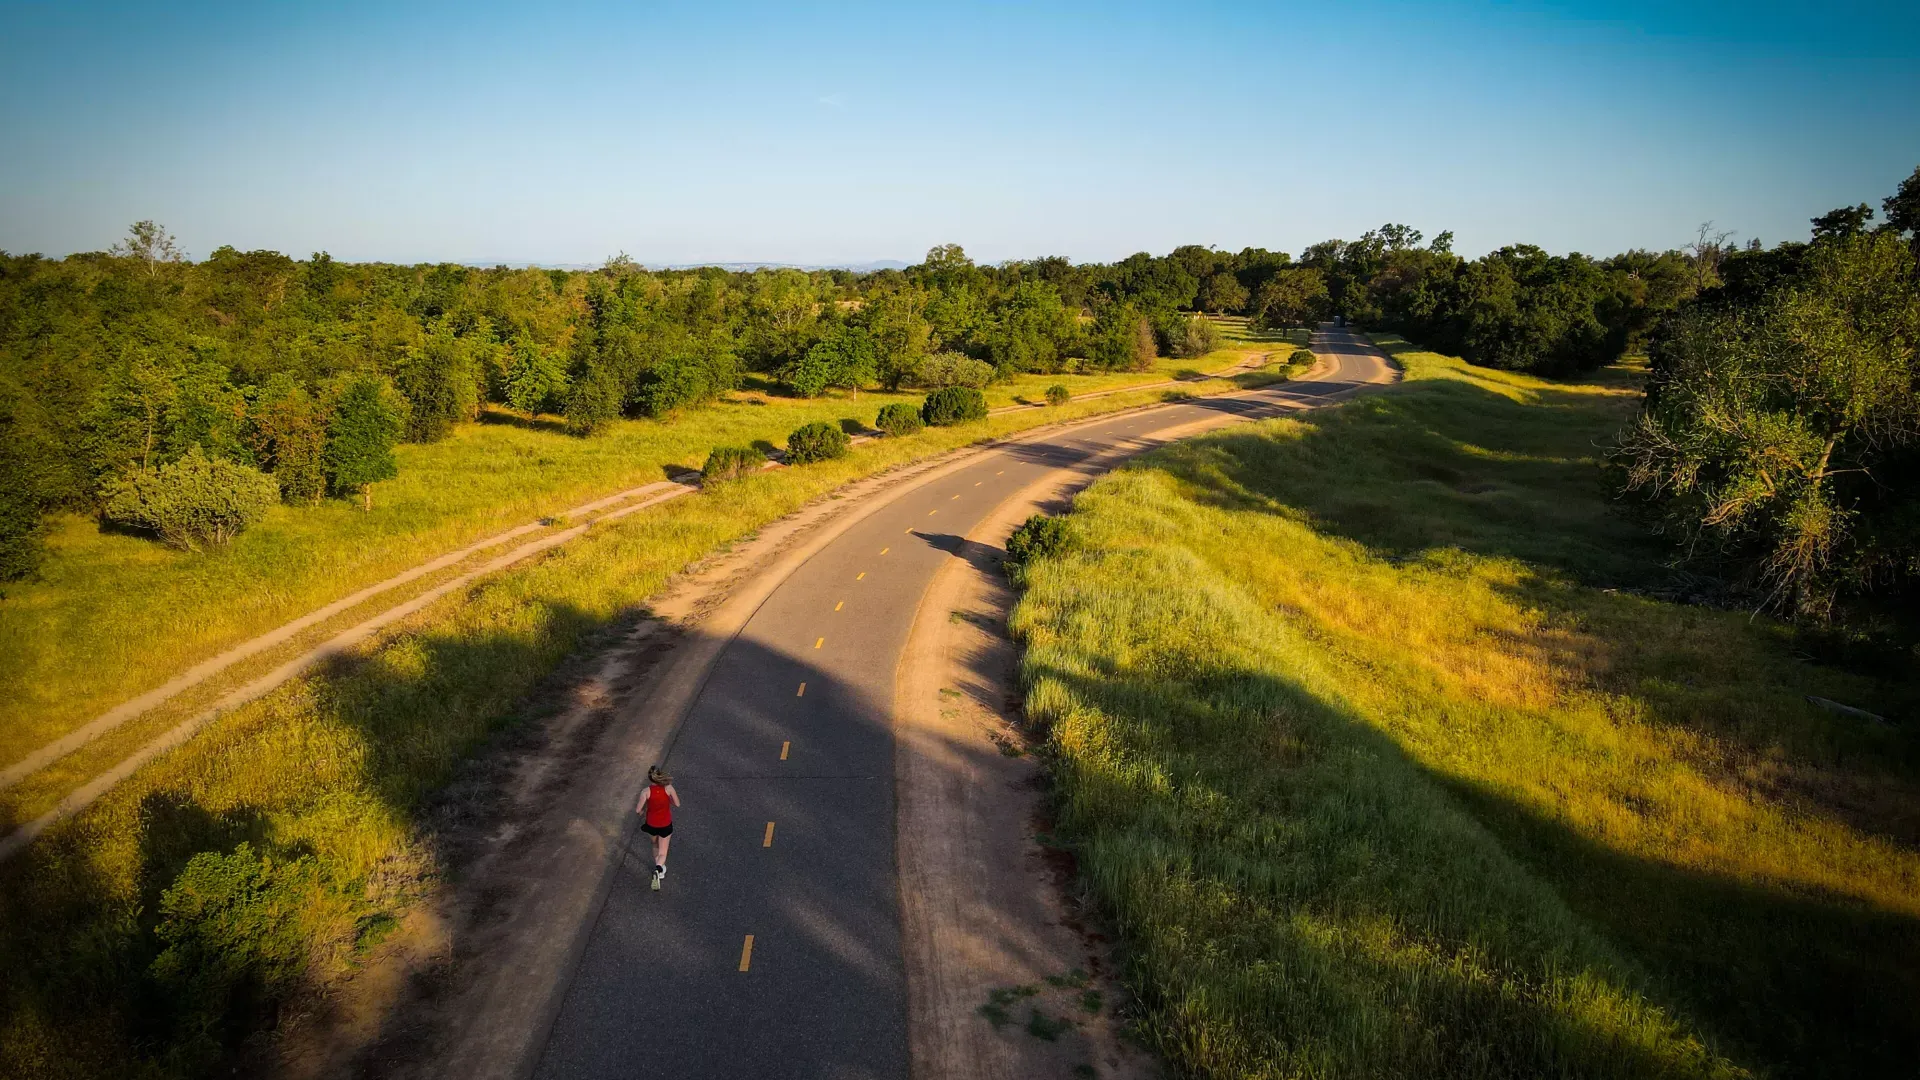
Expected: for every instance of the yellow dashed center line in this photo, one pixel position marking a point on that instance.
(863, 573)
(977, 483)
(784, 747)
(1002, 472)
(819, 642)
(930, 513)
(884, 550)
(803, 691)
(746, 953)
(956, 496)
(839, 605)
(768, 842)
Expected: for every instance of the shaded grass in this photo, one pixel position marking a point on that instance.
(327, 781)
(1383, 769)
(115, 614)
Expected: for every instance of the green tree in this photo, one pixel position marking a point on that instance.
(1835, 224)
(1295, 297)
(1903, 210)
(536, 377)
(441, 384)
(286, 433)
(846, 357)
(901, 333)
(1222, 292)
(1785, 435)
(367, 422)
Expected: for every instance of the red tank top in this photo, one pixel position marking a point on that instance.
(659, 806)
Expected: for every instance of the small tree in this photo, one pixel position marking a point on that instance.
(953, 369)
(1057, 395)
(360, 439)
(193, 501)
(818, 441)
(846, 357)
(730, 463)
(953, 405)
(899, 419)
(1144, 349)
(286, 431)
(536, 378)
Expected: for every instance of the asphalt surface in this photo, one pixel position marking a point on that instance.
(786, 829)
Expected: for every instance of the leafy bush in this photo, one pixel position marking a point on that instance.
(899, 419)
(689, 379)
(1038, 537)
(731, 462)
(818, 441)
(193, 501)
(953, 405)
(1057, 395)
(846, 357)
(1303, 356)
(1781, 434)
(235, 944)
(953, 369)
(1198, 336)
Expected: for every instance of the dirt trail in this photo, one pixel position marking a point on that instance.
(213, 665)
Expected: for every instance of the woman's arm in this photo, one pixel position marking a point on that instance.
(674, 795)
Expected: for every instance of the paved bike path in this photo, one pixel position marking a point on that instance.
(787, 828)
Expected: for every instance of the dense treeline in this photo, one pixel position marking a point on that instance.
(1518, 308)
(1781, 431)
(115, 367)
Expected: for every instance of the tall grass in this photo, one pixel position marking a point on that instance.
(115, 614)
(1382, 766)
(142, 938)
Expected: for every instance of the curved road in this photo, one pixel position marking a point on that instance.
(774, 949)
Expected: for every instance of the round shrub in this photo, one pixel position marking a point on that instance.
(1038, 537)
(818, 441)
(730, 462)
(899, 419)
(1304, 357)
(953, 369)
(1057, 395)
(953, 405)
(193, 501)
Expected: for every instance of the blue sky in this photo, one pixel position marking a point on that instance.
(711, 131)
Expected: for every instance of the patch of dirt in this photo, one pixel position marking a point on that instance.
(1008, 975)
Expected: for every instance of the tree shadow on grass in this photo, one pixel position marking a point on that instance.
(1435, 465)
(1318, 817)
(504, 418)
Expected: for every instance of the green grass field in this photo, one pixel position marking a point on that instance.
(115, 614)
(139, 938)
(1371, 743)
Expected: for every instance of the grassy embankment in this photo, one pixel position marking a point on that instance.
(1382, 768)
(325, 779)
(116, 614)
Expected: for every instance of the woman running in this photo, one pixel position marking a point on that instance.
(656, 806)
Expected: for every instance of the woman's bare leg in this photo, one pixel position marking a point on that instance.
(660, 849)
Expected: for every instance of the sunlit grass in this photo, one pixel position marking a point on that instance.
(117, 614)
(1383, 768)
